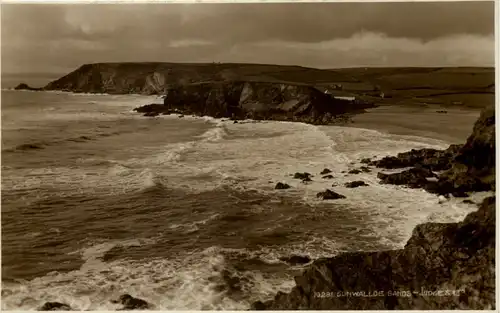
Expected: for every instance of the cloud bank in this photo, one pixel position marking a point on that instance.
(58, 38)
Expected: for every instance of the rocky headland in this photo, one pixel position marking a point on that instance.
(257, 101)
(442, 266)
(24, 86)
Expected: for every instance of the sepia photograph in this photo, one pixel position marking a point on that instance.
(248, 156)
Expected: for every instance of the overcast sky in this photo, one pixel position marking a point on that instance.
(59, 38)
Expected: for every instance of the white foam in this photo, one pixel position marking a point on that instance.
(261, 159)
(185, 282)
(192, 227)
(215, 134)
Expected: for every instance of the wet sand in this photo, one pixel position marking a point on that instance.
(454, 126)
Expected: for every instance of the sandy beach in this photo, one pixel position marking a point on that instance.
(453, 127)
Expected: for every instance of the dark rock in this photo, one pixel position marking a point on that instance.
(355, 184)
(442, 111)
(235, 122)
(181, 115)
(301, 175)
(473, 167)
(436, 160)
(282, 186)
(258, 306)
(329, 195)
(325, 171)
(413, 178)
(306, 180)
(468, 201)
(365, 169)
(23, 86)
(459, 194)
(151, 114)
(354, 171)
(131, 303)
(459, 257)
(54, 306)
(328, 176)
(296, 259)
(366, 161)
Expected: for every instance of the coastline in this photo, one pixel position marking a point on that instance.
(451, 127)
(384, 262)
(455, 262)
(415, 277)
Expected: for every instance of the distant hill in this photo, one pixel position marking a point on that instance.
(471, 87)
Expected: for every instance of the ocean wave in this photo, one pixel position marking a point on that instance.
(203, 280)
(45, 144)
(215, 134)
(257, 163)
(173, 153)
(191, 227)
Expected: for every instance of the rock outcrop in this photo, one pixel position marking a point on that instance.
(302, 175)
(465, 168)
(257, 100)
(443, 266)
(436, 160)
(325, 171)
(473, 167)
(131, 303)
(24, 86)
(296, 259)
(281, 185)
(329, 195)
(355, 184)
(414, 178)
(55, 306)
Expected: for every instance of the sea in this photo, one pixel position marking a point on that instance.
(98, 201)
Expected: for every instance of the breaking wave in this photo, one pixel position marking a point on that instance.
(208, 279)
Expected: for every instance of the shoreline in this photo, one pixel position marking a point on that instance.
(407, 120)
(447, 257)
(452, 127)
(356, 120)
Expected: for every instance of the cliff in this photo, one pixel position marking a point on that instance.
(473, 167)
(442, 266)
(255, 100)
(114, 78)
(157, 77)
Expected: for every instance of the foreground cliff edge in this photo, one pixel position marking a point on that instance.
(442, 266)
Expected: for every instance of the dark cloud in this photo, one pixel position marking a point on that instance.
(54, 36)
